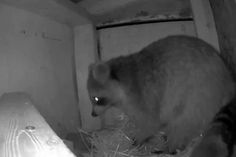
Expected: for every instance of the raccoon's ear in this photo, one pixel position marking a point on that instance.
(100, 72)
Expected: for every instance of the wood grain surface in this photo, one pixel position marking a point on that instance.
(24, 132)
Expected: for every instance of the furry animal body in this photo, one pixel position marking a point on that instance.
(175, 85)
(220, 138)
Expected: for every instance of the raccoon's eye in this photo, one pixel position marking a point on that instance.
(101, 101)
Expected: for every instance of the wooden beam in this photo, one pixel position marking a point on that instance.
(224, 14)
(85, 53)
(204, 22)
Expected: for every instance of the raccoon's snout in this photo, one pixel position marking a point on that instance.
(94, 114)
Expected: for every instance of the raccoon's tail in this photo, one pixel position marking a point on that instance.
(225, 121)
(220, 138)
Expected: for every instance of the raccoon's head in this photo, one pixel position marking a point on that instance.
(104, 89)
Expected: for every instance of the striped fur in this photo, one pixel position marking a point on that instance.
(220, 138)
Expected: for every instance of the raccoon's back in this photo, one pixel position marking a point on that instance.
(171, 54)
(151, 71)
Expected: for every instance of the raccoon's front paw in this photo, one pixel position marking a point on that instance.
(153, 144)
(174, 147)
(140, 142)
(141, 137)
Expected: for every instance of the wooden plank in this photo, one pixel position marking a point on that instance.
(204, 22)
(224, 13)
(24, 132)
(125, 40)
(85, 54)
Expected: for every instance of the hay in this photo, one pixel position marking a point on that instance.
(118, 142)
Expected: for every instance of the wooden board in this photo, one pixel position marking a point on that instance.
(204, 22)
(224, 13)
(126, 40)
(24, 132)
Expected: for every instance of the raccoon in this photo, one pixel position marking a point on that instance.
(175, 85)
(220, 138)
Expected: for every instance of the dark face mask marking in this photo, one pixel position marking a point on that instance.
(100, 101)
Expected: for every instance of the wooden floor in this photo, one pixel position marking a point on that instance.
(24, 132)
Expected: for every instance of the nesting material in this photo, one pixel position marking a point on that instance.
(118, 142)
